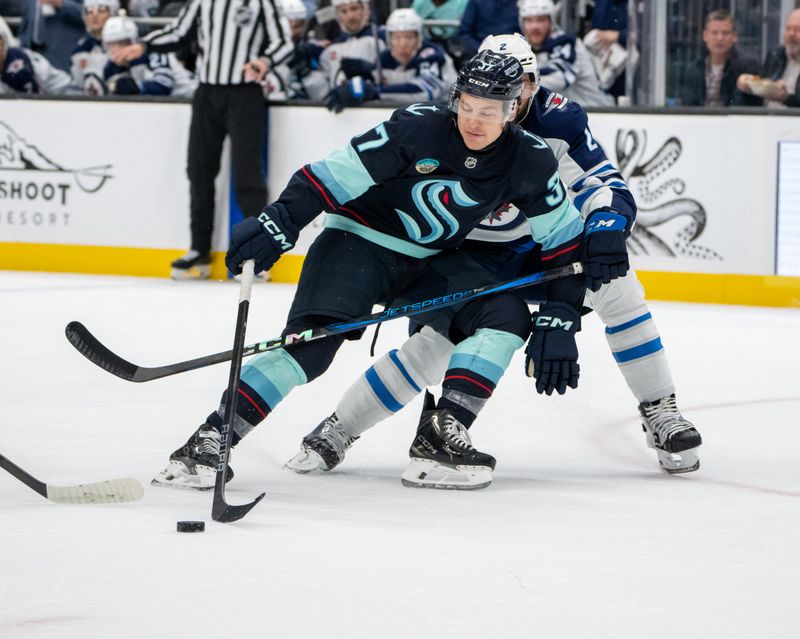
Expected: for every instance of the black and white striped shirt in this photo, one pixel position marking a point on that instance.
(230, 33)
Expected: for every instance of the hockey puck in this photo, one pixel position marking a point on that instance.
(191, 526)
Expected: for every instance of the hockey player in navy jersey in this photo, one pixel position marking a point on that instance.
(89, 57)
(357, 41)
(400, 198)
(597, 190)
(25, 71)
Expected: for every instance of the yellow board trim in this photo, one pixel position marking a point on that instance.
(709, 288)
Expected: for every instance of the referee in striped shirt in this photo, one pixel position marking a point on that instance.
(239, 41)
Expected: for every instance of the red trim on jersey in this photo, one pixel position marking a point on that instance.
(469, 379)
(354, 214)
(321, 190)
(250, 399)
(561, 252)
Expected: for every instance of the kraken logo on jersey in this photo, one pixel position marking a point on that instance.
(435, 193)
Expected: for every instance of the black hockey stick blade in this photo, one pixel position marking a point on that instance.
(104, 492)
(94, 350)
(221, 510)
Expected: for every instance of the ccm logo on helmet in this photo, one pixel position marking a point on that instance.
(545, 321)
(480, 83)
(275, 231)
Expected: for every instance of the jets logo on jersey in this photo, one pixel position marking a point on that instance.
(555, 101)
(432, 198)
(427, 165)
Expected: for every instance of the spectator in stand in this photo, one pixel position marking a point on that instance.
(610, 22)
(486, 17)
(298, 78)
(440, 10)
(25, 71)
(52, 27)
(411, 70)
(564, 63)
(711, 80)
(778, 85)
(89, 57)
(355, 46)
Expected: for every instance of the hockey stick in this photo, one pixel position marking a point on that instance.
(220, 510)
(93, 350)
(103, 492)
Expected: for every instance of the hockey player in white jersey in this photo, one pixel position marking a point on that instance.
(149, 74)
(598, 191)
(357, 42)
(89, 57)
(25, 71)
(565, 63)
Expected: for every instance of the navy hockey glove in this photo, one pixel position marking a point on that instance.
(604, 245)
(352, 93)
(353, 67)
(551, 356)
(257, 238)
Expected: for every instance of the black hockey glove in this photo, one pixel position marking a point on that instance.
(353, 67)
(352, 93)
(551, 356)
(606, 257)
(123, 85)
(257, 238)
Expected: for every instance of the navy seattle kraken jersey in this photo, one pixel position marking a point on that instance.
(412, 186)
(593, 181)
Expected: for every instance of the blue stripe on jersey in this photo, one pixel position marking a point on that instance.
(396, 360)
(488, 353)
(581, 199)
(610, 330)
(482, 367)
(606, 167)
(377, 385)
(557, 227)
(343, 174)
(648, 348)
(395, 244)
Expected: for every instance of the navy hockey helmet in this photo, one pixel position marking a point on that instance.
(490, 76)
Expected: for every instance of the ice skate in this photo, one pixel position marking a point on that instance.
(323, 448)
(194, 465)
(673, 437)
(442, 455)
(192, 266)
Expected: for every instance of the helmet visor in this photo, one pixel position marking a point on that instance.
(488, 110)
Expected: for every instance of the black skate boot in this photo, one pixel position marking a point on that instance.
(674, 438)
(442, 455)
(194, 465)
(323, 448)
(192, 266)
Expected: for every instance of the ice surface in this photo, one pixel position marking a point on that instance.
(580, 535)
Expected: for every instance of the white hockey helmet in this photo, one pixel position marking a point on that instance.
(120, 28)
(339, 3)
(294, 10)
(404, 20)
(531, 8)
(111, 5)
(513, 44)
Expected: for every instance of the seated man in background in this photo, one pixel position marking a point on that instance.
(565, 64)
(711, 80)
(299, 77)
(89, 57)
(777, 87)
(149, 74)
(411, 70)
(25, 71)
(51, 28)
(357, 41)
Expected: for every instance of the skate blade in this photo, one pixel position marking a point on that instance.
(426, 473)
(687, 461)
(202, 272)
(177, 475)
(306, 461)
